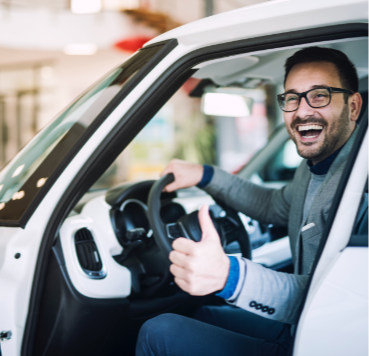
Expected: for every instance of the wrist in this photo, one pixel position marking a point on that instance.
(232, 279)
(224, 272)
(200, 173)
(206, 176)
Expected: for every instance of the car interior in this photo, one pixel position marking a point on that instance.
(107, 273)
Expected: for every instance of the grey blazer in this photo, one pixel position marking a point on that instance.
(280, 293)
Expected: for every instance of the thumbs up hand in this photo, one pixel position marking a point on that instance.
(200, 268)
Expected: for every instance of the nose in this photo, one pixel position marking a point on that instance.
(304, 109)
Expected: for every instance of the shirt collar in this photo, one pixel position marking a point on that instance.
(322, 167)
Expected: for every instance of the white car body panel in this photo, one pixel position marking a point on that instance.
(328, 322)
(95, 217)
(336, 322)
(265, 19)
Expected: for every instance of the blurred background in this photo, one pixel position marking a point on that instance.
(52, 50)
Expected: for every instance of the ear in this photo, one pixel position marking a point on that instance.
(355, 102)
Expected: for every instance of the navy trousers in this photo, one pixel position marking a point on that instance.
(215, 331)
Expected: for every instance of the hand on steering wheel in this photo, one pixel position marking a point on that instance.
(188, 225)
(186, 174)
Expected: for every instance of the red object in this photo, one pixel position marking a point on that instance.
(190, 84)
(132, 44)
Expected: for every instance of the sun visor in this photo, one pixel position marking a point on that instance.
(225, 66)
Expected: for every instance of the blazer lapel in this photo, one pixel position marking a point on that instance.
(298, 208)
(333, 174)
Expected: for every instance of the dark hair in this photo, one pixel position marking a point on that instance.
(346, 69)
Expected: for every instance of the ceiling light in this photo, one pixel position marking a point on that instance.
(116, 5)
(85, 6)
(18, 195)
(41, 182)
(80, 49)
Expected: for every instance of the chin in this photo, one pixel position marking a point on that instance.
(309, 152)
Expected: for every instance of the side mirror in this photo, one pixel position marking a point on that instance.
(226, 102)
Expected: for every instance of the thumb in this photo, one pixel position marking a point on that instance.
(207, 227)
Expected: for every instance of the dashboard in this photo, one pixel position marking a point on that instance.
(110, 251)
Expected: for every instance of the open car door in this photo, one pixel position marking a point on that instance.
(334, 320)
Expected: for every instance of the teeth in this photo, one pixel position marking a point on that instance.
(310, 127)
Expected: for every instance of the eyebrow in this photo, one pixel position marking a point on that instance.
(312, 87)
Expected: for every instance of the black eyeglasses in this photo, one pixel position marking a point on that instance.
(316, 98)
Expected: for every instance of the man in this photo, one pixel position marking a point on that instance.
(321, 104)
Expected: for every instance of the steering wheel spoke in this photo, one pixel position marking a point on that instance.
(175, 230)
(227, 222)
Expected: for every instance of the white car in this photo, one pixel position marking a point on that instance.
(81, 271)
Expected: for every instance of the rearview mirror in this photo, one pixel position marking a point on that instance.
(226, 102)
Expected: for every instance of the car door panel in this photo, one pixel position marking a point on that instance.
(334, 318)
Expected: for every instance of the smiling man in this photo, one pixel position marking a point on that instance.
(321, 104)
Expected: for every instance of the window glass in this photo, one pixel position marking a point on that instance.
(182, 130)
(40, 161)
(361, 221)
(282, 165)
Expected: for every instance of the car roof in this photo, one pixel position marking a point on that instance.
(266, 19)
(268, 65)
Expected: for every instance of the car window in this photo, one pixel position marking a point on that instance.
(182, 130)
(282, 165)
(39, 162)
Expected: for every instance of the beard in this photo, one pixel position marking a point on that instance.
(336, 134)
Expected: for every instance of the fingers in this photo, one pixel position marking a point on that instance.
(178, 258)
(171, 168)
(186, 174)
(181, 283)
(171, 187)
(178, 272)
(184, 245)
(206, 224)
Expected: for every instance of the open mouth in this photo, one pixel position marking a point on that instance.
(309, 132)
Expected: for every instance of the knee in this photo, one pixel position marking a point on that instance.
(153, 334)
(160, 324)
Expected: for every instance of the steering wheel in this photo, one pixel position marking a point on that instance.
(228, 223)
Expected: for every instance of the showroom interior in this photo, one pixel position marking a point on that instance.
(52, 51)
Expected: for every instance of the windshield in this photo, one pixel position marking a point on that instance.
(42, 160)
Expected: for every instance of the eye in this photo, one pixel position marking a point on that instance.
(321, 94)
(291, 98)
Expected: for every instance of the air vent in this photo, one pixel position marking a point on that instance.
(87, 253)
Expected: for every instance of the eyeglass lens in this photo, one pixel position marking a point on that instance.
(316, 98)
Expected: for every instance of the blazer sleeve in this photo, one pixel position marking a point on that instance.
(267, 205)
(271, 294)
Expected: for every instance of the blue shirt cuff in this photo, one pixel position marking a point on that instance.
(207, 176)
(232, 281)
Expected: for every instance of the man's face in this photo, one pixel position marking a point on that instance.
(332, 124)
